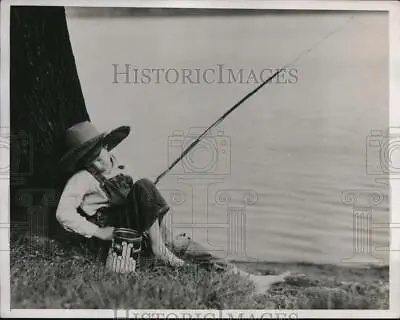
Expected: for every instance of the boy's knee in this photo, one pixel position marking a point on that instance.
(144, 182)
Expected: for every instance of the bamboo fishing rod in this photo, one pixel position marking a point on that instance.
(247, 96)
(218, 121)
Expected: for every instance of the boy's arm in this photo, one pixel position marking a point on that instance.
(71, 198)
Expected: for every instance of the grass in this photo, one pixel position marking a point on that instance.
(66, 277)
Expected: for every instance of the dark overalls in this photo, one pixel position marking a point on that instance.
(137, 206)
(132, 205)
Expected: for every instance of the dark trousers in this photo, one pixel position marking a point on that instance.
(143, 206)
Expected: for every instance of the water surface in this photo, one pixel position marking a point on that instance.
(294, 148)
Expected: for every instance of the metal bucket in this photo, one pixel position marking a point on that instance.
(125, 250)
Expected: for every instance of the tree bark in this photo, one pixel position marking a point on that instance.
(45, 99)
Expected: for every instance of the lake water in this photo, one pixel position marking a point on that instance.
(278, 186)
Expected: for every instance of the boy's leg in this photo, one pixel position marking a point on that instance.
(145, 205)
(197, 254)
(159, 248)
(147, 208)
(151, 207)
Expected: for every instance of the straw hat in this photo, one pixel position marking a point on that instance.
(83, 138)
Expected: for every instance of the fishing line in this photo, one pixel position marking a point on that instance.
(237, 104)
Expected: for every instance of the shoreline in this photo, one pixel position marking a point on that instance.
(63, 277)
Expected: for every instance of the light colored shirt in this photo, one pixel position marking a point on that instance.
(84, 191)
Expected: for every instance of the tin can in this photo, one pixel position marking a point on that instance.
(124, 253)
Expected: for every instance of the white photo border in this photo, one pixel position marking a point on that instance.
(392, 7)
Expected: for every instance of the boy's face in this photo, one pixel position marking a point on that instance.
(103, 161)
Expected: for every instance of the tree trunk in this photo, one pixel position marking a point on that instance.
(45, 99)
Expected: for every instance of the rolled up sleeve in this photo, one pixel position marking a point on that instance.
(71, 198)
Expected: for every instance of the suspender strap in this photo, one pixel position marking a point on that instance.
(105, 182)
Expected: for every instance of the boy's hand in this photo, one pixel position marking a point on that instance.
(105, 233)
